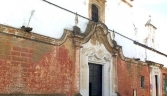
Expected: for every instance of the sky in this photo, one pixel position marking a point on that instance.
(157, 9)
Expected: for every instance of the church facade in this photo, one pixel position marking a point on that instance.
(77, 54)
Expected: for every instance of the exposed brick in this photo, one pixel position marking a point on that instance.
(30, 51)
(25, 64)
(30, 60)
(25, 75)
(4, 47)
(25, 50)
(15, 53)
(16, 48)
(4, 56)
(15, 71)
(164, 72)
(25, 79)
(30, 55)
(20, 49)
(25, 54)
(36, 67)
(129, 78)
(2, 44)
(22, 59)
(25, 70)
(4, 51)
(15, 63)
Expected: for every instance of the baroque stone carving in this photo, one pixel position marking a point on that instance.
(87, 51)
(96, 55)
(98, 32)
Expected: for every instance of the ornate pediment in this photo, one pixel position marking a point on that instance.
(97, 34)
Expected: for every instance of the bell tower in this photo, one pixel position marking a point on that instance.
(150, 29)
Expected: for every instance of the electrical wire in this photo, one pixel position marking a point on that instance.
(135, 42)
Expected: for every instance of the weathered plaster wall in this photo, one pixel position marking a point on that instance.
(50, 20)
(46, 19)
(129, 78)
(122, 18)
(30, 67)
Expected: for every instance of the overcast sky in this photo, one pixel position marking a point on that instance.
(158, 11)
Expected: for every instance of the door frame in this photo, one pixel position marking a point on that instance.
(155, 71)
(91, 55)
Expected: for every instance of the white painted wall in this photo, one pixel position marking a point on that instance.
(51, 21)
(47, 19)
(121, 17)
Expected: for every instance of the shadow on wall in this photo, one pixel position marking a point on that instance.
(118, 94)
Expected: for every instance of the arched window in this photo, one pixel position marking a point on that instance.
(94, 13)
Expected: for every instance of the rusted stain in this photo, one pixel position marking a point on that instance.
(35, 69)
(53, 73)
(39, 50)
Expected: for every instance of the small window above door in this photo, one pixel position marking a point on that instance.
(94, 13)
(96, 10)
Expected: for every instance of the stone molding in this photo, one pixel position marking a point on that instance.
(102, 33)
(150, 63)
(96, 56)
(34, 36)
(97, 48)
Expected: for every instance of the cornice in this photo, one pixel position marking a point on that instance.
(34, 36)
(150, 63)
